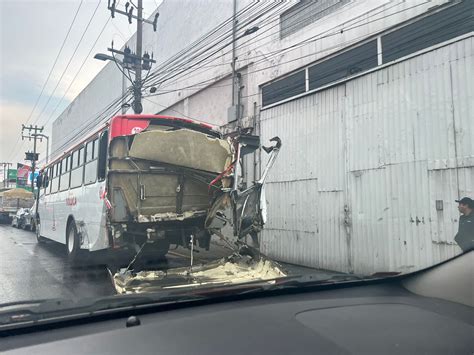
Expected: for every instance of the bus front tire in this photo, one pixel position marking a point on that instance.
(73, 244)
(39, 238)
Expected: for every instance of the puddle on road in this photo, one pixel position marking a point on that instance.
(235, 269)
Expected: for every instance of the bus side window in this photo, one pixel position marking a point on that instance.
(47, 187)
(64, 182)
(103, 147)
(77, 171)
(90, 169)
(57, 174)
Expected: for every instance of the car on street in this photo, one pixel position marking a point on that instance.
(22, 219)
(30, 222)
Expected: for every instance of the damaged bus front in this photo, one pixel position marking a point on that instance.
(172, 181)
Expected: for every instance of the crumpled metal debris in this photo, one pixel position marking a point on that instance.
(231, 270)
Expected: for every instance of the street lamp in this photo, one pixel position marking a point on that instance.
(104, 57)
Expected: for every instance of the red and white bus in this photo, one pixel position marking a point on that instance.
(143, 182)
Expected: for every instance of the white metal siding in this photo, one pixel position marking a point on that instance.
(363, 163)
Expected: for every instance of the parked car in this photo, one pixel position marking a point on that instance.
(22, 218)
(30, 221)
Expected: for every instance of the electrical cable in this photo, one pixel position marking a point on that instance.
(204, 51)
(260, 70)
(314, 37)
(306, 41)
(69, 62)
(79, 70)
(364, 60)
(98, 118)
(50, 72)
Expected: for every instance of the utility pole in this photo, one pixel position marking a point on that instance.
(5, 177)
(33, 133)
(234, 113)
(137, 103)
(234, 54)
(133, 61)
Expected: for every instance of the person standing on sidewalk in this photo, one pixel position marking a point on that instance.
(465, 236)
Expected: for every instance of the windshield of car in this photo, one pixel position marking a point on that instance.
(249, 146)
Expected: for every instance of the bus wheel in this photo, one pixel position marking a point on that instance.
(39, 238)
(73, 246)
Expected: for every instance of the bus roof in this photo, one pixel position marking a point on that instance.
(124, 125)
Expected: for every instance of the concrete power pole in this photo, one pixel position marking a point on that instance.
(5, 177)
(33, 133)
(137, 103)
(133, 61)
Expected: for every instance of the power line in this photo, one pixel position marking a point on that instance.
(79, 70)
(306, 41)
(359, 62)
(69, 62)
(316, 37)
(354, 41)
(292, 60)
(204, 51)
(101, 116)
(50, 72)
(55, 60)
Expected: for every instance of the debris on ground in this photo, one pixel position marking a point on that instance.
(231, 270)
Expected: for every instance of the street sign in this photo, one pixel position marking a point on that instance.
(12, 175)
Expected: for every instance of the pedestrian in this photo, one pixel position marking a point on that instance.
(465, 236)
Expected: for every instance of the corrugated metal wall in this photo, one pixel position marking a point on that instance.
(363, 164)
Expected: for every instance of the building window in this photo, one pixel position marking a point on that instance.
(285, 88)
(444, 25)
(305, 13)
(451, 22)
(348, 63)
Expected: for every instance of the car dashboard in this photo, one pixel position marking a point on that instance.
(395, 316)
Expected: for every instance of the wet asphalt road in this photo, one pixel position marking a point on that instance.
(31, 271)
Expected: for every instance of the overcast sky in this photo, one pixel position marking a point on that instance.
(31, 35)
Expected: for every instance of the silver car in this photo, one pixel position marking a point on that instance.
(24, 219)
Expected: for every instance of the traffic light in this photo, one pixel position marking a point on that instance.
(31, 156)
